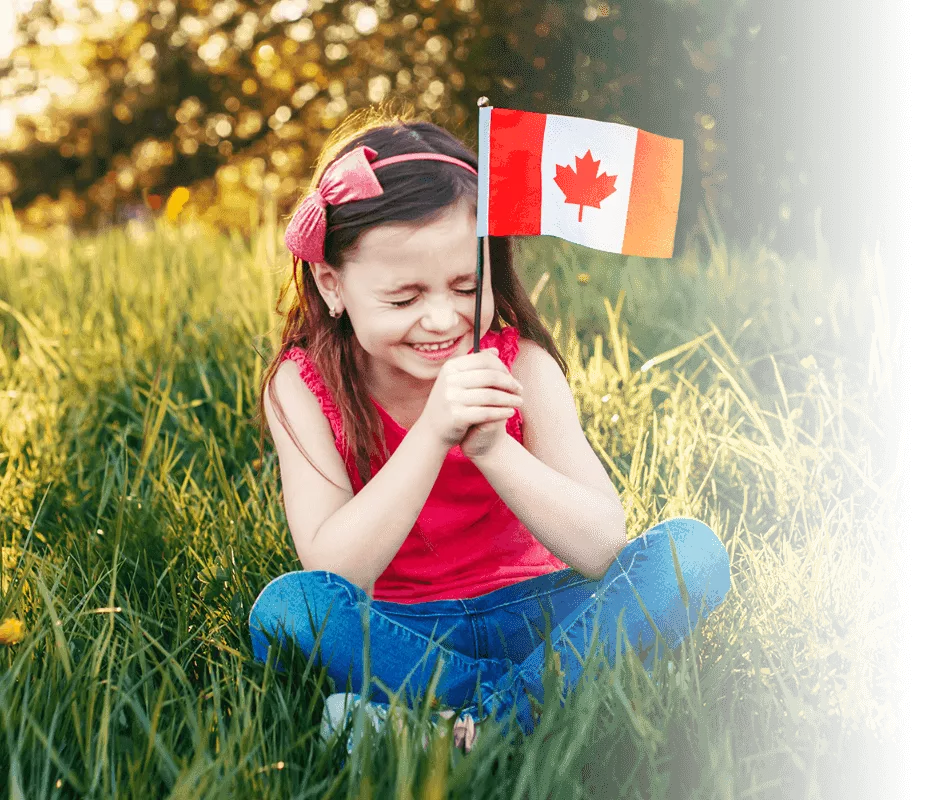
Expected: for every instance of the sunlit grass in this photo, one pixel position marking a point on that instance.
(138, 526)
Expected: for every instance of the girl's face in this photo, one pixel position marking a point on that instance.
(412, 285)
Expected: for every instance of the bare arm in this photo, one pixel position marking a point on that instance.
(355, 536)
(583, 526)
(362, 537)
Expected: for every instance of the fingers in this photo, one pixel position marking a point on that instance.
(493, 397)
(473, 379)
(486, 359)
(479, 415)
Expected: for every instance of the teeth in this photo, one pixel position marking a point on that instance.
(430, 348)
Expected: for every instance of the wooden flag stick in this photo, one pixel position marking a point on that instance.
(482, 101)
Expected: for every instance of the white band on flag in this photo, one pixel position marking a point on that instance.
(612, 147)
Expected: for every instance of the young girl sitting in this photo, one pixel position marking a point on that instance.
(444, 502)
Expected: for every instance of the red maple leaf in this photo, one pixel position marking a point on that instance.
(583, 185)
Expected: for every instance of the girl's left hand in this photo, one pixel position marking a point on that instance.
(482, 439)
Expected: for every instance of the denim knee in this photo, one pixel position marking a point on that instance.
(704, 560)
(287, 606)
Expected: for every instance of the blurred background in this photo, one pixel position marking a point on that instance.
(108, 107)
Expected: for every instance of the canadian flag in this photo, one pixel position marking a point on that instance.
(600, 184)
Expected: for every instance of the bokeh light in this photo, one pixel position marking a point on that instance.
(105, 102)
(120, 100)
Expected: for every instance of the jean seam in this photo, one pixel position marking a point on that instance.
(453, 656)
(644, 536)
(425, 613)
(538, 593)
(547, 592)
(471, 617)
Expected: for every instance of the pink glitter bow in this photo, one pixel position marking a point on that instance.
(348, 178)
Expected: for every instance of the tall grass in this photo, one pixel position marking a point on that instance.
(139, 524)
(761, 302)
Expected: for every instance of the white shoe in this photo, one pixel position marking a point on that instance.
(338, 710)
(337, 715)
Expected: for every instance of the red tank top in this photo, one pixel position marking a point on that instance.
(466, 541)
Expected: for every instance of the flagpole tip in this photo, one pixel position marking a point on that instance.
(483, 102)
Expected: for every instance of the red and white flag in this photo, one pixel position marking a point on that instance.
(601, 184)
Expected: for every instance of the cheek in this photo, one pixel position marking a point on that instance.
(382, 333)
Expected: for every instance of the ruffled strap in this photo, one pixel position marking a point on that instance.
(508, 345)
(317, 385)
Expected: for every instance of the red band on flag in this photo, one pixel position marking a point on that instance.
(515, 168)
(654, 196)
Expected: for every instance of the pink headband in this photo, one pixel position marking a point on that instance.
(347, 179)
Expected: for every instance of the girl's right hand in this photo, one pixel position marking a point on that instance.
(470, 390)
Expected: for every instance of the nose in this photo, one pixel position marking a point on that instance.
(440, 316)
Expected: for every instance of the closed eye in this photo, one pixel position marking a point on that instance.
(405, 303)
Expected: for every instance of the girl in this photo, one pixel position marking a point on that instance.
(445, 503)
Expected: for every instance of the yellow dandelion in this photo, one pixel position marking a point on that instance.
(583, 277)
(176, 202)
(12, 631)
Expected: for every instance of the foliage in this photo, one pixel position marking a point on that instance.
(106, 108)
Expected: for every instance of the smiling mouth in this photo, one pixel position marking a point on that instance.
(451, 344)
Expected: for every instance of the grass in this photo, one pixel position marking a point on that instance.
(138, 525)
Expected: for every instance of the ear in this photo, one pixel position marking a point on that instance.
(327, 281)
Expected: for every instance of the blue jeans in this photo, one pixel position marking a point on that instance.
(493, 646)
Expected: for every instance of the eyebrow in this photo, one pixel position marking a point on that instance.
(408, 286)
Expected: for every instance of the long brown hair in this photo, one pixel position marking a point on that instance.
(414, 191)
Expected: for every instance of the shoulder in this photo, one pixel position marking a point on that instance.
(292, 396)
(287, 379)
(534, 363)
(301, 392)
(297, 374)
(548, 401)
(296, 362)
(552, 429)
(307, 436)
